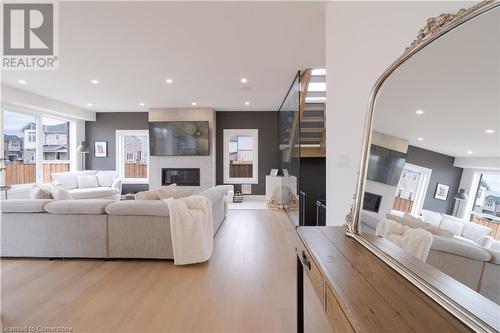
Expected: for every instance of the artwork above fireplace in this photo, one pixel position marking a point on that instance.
(180, 176)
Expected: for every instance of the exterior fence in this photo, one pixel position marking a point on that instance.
(495, 226)
(403, 205)
(136, 170)
(25, 173)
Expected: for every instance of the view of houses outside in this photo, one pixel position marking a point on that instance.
(20, 147)
(488, 195)
(136, 156)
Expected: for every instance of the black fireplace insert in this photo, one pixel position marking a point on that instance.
(180, 176)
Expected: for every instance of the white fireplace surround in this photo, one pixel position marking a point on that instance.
(205, 163)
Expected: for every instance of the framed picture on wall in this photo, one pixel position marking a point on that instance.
(441, 192)
(101, 149)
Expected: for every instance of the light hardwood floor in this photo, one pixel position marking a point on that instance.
(247, 286)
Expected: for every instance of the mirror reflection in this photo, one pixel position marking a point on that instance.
(433, 176)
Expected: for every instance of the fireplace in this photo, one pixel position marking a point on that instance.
(371, 202)
(180, 176)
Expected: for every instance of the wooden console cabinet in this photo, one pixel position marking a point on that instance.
(359, 292)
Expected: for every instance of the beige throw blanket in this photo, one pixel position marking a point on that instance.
(191, 227)
(415, 241)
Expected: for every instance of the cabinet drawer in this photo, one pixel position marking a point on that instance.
(335, 314)
(312, 270)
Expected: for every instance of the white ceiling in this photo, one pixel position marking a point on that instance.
(205, 47)
(456, 82)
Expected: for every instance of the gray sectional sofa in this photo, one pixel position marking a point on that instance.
(94, 228)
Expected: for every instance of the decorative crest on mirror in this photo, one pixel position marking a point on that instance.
(439, 23)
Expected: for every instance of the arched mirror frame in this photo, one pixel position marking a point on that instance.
(434, 29)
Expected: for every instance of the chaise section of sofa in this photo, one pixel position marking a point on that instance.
(54, 229)
(141, 228)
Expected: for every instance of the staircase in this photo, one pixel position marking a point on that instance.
(312, 113)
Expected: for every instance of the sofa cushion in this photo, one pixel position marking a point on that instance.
(370, 219)
(88, 181)
(453, 226)
(147, 195)
(460, 248)
(69, 180)
(495, 256)
(489, 242)
(431, 217)
(138, 208)
(212, 195)
(95, 192)
(176, 193)
(474, 231)
(78, 207)
(106, 178)
(408, 220)
(24, 205)
(37, 192)
(59, 192)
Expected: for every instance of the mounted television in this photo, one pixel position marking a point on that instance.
(385, 165)
(179, 138)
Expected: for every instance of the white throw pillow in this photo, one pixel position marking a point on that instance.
(106, 178)
(39, 193)
(452, 226)
(453, 218)
(59, 192)
(66, 179)
(176, 193)
(147, 195)
(474, 231)
(87, 181)
(431, 217)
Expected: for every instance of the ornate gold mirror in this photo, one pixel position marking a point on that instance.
(428, 200)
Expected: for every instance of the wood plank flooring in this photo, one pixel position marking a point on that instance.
(247, 286)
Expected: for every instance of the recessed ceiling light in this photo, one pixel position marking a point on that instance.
(420, 139)
(247, 103)
(89, 104)
(244, 80)
(490, 131)
(419, 112)
(22, 82)
(169, 81)
(193, 104)
(469, 152)
(141, 104)
(94, 81)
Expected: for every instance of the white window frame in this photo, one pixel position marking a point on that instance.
(255, 168)
(120, 155)
(39, 138)
(423, 185)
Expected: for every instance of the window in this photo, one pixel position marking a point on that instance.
(55, 147)
(35, 146)
(132, 148)
(241, 156)
(411, 189)
(19, 148)
(487, 198)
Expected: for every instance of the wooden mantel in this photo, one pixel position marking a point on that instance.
(359, 292)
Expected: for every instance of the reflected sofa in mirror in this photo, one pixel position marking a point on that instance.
(430, 178)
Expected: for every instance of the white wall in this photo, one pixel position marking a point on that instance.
(205, 163)
(362, 40)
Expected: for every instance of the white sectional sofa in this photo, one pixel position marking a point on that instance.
(90, 184)
(459, 256)
(94, 228)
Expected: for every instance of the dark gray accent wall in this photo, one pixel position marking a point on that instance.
(104, 129)
(267, 124)
(443, 172)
